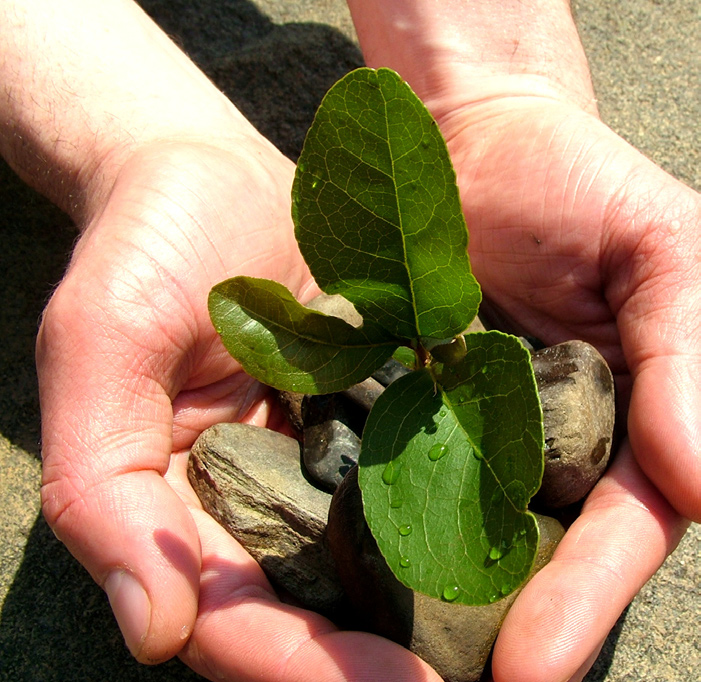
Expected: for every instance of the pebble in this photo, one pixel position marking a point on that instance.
(577, 394)
(250, 480)
(331, 441)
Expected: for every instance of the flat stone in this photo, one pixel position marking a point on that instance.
(453, 638)
(577, 393)
(250, 480)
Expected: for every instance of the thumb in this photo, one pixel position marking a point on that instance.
(656, 292)
(106, 444)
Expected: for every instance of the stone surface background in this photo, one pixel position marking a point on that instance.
(276, 58)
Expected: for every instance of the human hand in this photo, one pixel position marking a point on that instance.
(574, 234)
(131, 371)
(173, 191)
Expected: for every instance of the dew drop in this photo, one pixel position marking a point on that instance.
(505, 589)
(405, 562)
(493, 597)
(442, 413)
(437, 451)
(496, 553)
(396, 502)
(391, 472)
(314, 184)
(405, 530)
(451, 592)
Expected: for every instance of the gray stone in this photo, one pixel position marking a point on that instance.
(577, 393)
(250, 480)
(455, 639)
(390, 371)
(365, 393)
(331, 438)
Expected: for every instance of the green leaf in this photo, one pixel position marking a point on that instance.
(377, 210)
(285, 345)
(449, 460)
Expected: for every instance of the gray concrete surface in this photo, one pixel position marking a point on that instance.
(275, 58)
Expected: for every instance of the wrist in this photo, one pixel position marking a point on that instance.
(451, 51)
(86, 85)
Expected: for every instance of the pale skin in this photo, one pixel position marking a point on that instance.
(574, 234)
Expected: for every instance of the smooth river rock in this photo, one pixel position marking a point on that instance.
(250, 480)
(453, 638)
(577, 393)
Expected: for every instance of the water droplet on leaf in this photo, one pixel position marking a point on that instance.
(405, 530)
(437, 451)
(451, 592)
(391, 472)
(496, 553)
(405, 562)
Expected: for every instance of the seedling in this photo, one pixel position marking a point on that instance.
(453, 452)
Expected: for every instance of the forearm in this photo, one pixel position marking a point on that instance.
(489, 45)
(84, 84)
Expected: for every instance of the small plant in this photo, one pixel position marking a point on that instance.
(453, 452)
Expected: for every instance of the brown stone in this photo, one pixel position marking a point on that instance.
(577, 393)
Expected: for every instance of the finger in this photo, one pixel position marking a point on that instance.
(655, 288)
(665, 429)
(625, 532)
(228, 400)
(106, 436)
(244, 633)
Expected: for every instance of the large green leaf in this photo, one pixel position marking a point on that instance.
(377, 210)
(283, 344)
(449, 461)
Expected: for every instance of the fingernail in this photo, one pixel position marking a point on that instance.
(131, 608)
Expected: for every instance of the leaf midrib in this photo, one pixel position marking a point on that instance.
(399, 217)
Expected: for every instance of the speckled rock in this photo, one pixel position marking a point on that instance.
(455, 639)
(577, 393)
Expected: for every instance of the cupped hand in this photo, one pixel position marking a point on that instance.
(574, 234)
(131, 371)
